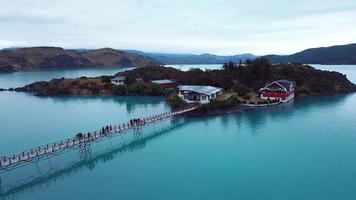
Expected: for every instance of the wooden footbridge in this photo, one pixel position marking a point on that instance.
(81, 141)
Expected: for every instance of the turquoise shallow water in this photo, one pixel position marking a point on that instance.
(19, 79)
(305, 149)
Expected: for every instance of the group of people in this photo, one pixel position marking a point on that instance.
(137, 122)
(106, 129)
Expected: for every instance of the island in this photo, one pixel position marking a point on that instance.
(241, 83)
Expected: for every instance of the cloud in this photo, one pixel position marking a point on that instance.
(28, 19)
(11, 43)
(214, 26)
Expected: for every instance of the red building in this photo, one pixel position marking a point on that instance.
(281, 90)
(165, 84)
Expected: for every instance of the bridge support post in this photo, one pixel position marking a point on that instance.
(84, 150)
(49, 161)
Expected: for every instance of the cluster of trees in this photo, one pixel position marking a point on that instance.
(231, 102)
(174, 100)
(138, 88)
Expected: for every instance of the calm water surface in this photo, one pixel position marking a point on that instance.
(19, 79)
(305, 149)
(201, 66)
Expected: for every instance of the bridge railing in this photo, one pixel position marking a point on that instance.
(32, 154)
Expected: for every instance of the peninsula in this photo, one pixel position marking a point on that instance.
(241, 83)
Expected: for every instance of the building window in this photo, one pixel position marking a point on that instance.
(203, 97)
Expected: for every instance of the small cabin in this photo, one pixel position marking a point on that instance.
(165, 84)
(281, 90)
(118, 80)
(198, 93)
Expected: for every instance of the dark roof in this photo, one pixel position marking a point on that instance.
(286, 84)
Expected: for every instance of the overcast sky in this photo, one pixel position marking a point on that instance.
(213, 26)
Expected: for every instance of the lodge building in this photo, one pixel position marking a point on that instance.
(198, 93)
(281, 90)
(118, 80)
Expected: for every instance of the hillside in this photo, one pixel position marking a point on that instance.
(167, 58)
(54, 57)
(342, 54)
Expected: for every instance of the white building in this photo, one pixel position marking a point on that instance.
(198, 93)
(118, 80)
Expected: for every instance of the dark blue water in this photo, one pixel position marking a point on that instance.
(305, 149)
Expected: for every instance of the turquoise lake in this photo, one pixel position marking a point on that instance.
(305, 149)
(22, 78)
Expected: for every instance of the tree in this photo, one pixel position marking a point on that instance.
(175, 100)
(230, 66)
(130, 79)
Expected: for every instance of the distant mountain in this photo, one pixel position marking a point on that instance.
(54, 57)
(167, 58)
(341, 54)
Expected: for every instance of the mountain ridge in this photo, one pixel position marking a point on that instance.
(56, 57)
(205, 58)
(332, 55)
(27, 58)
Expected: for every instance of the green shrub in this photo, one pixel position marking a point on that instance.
(246, 96)
(303, 90)
(175, 101)
(222, 104)
(241, 89)
(143, 89)
(137, 89)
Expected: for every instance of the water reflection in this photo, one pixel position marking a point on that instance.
(131, 102)
(257, 118)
